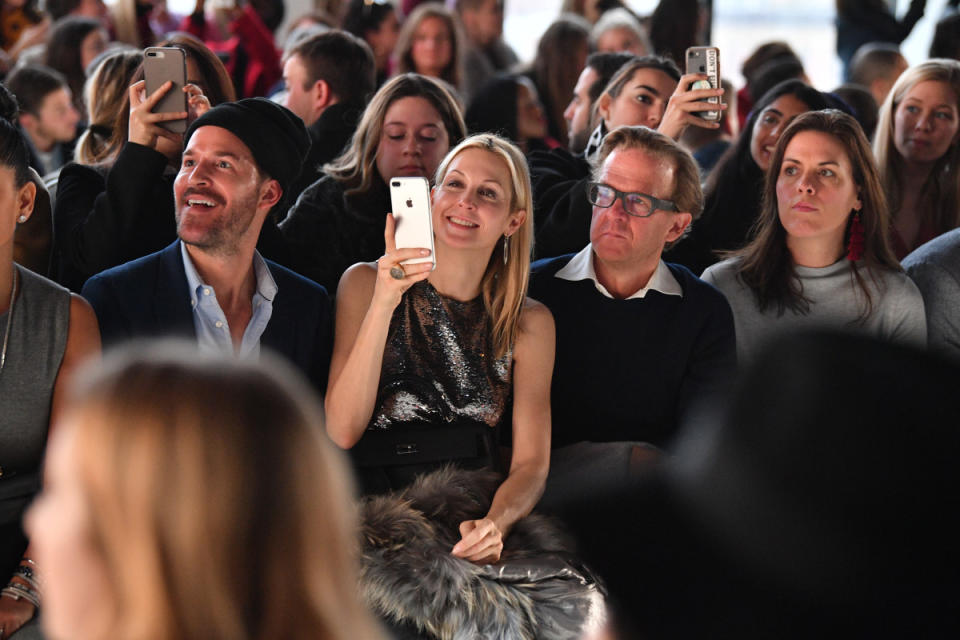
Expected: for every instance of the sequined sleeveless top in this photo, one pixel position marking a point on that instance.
(438, 364)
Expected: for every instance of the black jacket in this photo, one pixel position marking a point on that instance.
(327, 231)
(328, 136)
(562, 218)
(150, 298)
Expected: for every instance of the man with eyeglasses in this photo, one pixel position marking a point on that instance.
(639, 341)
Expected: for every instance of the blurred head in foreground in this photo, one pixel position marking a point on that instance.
(190, 497)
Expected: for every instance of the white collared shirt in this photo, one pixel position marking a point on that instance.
(580, 267)
(213, 332)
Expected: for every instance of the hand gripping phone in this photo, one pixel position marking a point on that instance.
(159, 65)
(410, 199)
(705, 60)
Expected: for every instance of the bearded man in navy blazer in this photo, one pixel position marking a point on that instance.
(212, 284)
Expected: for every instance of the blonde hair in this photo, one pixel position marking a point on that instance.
(356, 167)
(105, 95)
(504, 285)
(123, 15)
(453, 72)
(218, 506)
(943, 185)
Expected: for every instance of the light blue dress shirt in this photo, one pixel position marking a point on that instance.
(213, 332)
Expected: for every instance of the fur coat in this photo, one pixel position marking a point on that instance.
(538, 590)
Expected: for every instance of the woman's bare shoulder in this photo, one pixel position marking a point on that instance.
(359, 278)
(535, 317)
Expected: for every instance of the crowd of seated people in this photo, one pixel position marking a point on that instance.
(301, 426)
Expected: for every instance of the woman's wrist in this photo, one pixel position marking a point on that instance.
(24, 584)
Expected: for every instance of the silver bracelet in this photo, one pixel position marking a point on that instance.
(27, 574)
(20, 592)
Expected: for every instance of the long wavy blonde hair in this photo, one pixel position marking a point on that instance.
(504, 284)
(943, 185)
(217, 505)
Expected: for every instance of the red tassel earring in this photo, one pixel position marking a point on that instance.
(855, 245)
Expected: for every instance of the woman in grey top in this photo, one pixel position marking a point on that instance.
(821, 255)
(44, 332)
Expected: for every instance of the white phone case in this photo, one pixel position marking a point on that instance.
(410, 198)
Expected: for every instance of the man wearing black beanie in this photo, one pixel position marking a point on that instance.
(211, 284)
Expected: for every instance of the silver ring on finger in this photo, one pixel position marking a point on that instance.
(397, 272)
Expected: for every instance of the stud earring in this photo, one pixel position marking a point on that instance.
(22, 219)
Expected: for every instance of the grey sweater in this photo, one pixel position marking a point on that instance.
(836, 302)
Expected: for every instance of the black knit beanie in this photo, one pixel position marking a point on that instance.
(276, 137)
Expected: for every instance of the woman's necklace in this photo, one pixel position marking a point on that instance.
(6, 332)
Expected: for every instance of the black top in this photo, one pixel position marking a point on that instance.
(562, 219)
(105, 217)
(328, 136)
(629, 370)
(326, 231)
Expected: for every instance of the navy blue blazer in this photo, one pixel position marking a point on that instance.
(149, 297)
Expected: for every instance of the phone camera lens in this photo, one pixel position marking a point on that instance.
(395, 183)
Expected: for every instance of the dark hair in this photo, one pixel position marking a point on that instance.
(673, 28)
(772, 73)
(60, 8)
(764, 54)
(733, 189)
(271, 12)
(63, 51)
(864, 105)
(946, 38)
(857, 8)
(626, 72)
(217, 86)
(557, 66)
(606, 65)
(8, 104)
(363, 16)
(493, 108)
(32, 83)
(14, 153)
(767, 266)
(874, 60)
(342, 60)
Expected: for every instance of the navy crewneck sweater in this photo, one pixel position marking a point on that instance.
(628, 370)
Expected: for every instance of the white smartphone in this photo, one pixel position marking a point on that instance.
(410, 198)
(705, 60)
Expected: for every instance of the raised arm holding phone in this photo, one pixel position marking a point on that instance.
(122, 208)
(448, 348)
